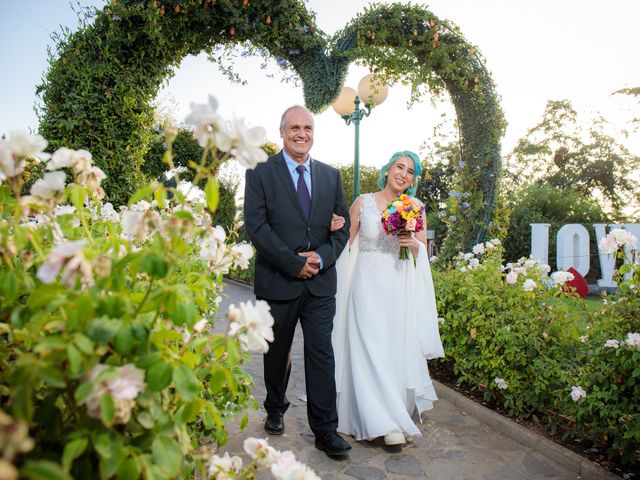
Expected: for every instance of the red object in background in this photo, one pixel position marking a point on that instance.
(578, 282)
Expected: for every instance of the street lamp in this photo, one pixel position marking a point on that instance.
(371, 91)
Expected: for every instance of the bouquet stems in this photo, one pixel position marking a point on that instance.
(404, 253)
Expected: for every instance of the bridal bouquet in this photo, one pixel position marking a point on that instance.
(402, 215)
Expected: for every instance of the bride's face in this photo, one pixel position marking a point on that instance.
(400, 174)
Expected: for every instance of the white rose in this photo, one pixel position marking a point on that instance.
(47, 187)
(512, 277)
(577, 393)
(478, 249)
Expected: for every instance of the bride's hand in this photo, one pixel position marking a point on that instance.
(409, 240)
(337, 222)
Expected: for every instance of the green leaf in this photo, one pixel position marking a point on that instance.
(10, 287)
(129, 470)
(124, 339)
(154, 265)
(75, 361)
(142, 193)
(103, 329)
(111, 451)
(44, 470)
(51, 376)
(187, 385)
(102, 444)
(150, 359)
(186, 313)
(146, 420)
(82, 392)
(244, 422)
(77, 194)
(22, 403)
(107, 409)
(167, 455)
(160, 195)
(159, 376)
(217, 379)
(73, 450)
(212, 193)
(189, 411)
(84, 344)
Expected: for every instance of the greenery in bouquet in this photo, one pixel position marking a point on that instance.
(110, 364)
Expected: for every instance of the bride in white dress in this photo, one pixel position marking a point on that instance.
(386, 323)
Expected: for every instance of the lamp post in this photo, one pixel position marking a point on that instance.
(371, 91)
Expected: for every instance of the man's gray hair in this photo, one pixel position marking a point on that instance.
(293, 107)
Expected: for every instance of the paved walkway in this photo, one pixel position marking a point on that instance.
(461, 440)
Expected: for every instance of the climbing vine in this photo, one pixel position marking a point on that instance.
(102, 78)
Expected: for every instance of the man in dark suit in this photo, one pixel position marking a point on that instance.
(288, 206)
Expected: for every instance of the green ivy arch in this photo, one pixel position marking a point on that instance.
(97, 91)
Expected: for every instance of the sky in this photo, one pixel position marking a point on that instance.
(581, 50)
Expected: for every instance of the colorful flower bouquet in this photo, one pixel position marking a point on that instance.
(402, 215)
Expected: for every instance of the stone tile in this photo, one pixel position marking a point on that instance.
(443, 454)
(404, 465)
(458, 420)
(505, 472)
(539, 467)
(443, 471)
(365, 473)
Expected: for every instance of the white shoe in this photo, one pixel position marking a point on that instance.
(394, 437)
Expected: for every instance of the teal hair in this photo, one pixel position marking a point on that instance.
(382, 180)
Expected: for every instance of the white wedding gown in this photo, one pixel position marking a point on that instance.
(386, 325)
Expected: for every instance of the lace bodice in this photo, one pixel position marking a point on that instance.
(372, 237)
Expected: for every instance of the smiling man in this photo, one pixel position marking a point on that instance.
(288, 206)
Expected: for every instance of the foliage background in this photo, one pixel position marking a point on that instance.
(97, 92)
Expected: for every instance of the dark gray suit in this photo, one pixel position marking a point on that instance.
(279, 230)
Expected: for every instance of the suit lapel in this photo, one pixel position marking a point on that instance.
(285, 176)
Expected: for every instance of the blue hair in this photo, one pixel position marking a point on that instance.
(411, 190)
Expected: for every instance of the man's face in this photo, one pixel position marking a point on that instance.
(297, 134)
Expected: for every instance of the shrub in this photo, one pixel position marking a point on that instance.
(530, 346)
(107, 363)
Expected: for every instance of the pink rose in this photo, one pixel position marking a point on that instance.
(411, 224)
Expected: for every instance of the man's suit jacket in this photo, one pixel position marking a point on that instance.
(278, 229)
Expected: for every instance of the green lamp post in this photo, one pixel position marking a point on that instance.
(371, 91)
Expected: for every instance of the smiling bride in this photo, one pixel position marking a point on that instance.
(386, 322)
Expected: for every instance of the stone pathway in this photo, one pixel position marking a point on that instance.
(455, 445)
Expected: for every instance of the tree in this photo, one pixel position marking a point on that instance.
(368, 178)
(548, 204)
(560, 152)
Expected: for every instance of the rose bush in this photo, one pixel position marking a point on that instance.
(108, 364)
(529, 344)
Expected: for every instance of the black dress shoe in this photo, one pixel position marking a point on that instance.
(332, 444)
(274, 424)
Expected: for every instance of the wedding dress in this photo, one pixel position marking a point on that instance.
(386, 324)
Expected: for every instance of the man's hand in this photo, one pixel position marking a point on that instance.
(337, 222)
(312, 267)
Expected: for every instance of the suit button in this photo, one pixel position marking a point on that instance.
(308, 229)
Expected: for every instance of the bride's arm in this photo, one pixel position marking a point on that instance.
(354, 217)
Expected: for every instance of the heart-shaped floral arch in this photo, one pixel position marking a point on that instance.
(97, 92)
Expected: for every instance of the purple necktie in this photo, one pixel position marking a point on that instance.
(303, 192)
